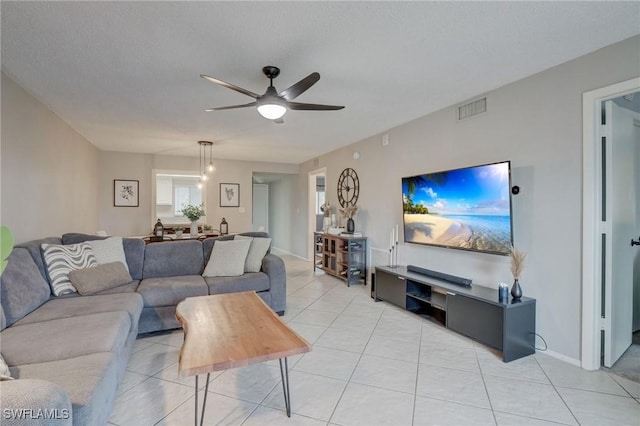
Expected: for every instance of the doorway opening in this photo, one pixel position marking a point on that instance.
(317, 184)
(606, 309)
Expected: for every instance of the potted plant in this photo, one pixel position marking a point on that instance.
(178, 230)
(207, 228)
(6, 246)
(193, 213)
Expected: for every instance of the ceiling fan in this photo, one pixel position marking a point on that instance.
(273, 105)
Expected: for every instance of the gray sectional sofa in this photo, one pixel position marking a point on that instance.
(69, 353)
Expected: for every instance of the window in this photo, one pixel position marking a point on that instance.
(185, 195)
(175, 190)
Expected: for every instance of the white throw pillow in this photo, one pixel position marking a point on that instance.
(109, 250)
(257, 251)
(61, 260)
(5, 373)
(227, 258)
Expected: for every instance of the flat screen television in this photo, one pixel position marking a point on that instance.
(467, 209)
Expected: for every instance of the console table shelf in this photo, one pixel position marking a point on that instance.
(473, 311)
(342, 256)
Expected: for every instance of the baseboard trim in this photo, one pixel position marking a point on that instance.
(561, 357)
(280, 251)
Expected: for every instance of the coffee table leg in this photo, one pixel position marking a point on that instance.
(204, 401)
(196, 410)
(285, 385)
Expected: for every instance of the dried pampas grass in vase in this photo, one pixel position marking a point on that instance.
(517, 265)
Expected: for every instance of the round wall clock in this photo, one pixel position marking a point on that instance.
(348, 187)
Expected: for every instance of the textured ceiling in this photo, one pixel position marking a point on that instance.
(126, 74)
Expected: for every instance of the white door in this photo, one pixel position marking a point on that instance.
(621, 217)
(260, 219)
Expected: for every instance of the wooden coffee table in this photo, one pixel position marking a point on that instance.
(233, 330)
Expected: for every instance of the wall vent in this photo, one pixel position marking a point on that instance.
(472, 108)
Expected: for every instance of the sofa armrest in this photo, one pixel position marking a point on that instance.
(273, 266)
(34, 402)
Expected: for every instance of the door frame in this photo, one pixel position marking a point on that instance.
(591, 226)
(311, 220)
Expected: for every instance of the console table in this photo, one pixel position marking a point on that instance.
(472, 311)
(344, 257)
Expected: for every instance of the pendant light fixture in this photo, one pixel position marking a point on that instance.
(206, 161)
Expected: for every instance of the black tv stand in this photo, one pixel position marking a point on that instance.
(440, 275)
(474, 311)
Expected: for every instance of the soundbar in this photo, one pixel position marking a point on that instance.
(440, 275)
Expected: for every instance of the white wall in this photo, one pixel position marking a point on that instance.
(281, 197)
(138, 221)
(636, 237)
(535, 123)
(48, 171)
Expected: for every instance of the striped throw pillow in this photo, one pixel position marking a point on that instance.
(61, 260)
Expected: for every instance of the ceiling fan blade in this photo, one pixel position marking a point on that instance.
(278, 121)
(297, 89)
(231, 107)
(312, 107)
(230, 86)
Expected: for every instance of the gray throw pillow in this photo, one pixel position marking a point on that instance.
(257, 251)
(227, 258)
(99, 278)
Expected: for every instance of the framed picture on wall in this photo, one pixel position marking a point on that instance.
(229, 195)
(125, 193)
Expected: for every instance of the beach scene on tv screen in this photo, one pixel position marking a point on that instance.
(466, 208)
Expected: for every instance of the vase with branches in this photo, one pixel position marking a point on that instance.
(517, 265)
(349, 212)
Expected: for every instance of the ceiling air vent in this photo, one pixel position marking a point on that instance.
(472, 108)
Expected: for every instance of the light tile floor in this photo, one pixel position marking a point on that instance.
(372, 364)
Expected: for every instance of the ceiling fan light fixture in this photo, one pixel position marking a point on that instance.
(271, 111)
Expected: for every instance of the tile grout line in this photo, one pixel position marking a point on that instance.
(335, 407)
(415, 387)
(484, 383)
(556, 390)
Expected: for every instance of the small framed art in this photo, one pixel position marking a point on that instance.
(125, 193)
(229, 195)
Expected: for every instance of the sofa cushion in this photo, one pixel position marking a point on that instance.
(65, 338)
(169, 291)
(253, 281)
(172, 259)
(207, 245)
(109, 250)
(227, 258)
(61, 260)
(5, 374)
(3, 319)
(59, 308)
(103, 277)
(91, 381)
(35, 250)
(130, 287)
(133, 250)
(258, 249)
(37, 395)
(22, 288)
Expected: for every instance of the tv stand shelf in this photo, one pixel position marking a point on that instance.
(473, 311)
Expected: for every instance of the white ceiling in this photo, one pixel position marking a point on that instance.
(125, 75)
